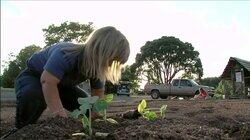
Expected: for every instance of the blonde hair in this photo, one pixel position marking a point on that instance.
(105, 51)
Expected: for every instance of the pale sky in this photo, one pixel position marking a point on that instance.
(218, 30)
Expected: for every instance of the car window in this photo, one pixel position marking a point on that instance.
(175, 82)
(184, 83)
(189, 84)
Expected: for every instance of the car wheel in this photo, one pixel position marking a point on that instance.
(155, 94)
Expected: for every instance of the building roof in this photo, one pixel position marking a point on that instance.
(244, 63)
(232, 62)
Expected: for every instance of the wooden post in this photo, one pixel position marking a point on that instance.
(243, 84)
(233, 82)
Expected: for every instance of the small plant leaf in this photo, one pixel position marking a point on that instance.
(87, 100)
(82, 101)
(100, 105)
(142, 106)
(163, 110)
(112, 121)
(85, 121)
(86, 124)
(75, 114)
(108, 98)
(84, 108)
(150, 115)
(93, 99)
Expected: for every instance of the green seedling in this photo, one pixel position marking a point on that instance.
(85, 104)
(150, 115)
(163, 110)
(94, 104)
(107, 99)
(146, 113)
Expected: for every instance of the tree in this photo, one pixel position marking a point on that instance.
(110, 88)
(129, 74)
(210, 81)
(17, 65)
(1, 80)
(161, 59)
(67, 32)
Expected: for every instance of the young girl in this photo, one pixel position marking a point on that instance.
(52, 75)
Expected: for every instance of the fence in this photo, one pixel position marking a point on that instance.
(8, 94)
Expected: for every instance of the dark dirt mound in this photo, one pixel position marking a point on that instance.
(52, 128)
(63, 128)
(168, 128)
(210, 120)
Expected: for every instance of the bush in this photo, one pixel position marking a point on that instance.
(225, 87)
(218, 96)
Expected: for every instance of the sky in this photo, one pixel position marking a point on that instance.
(218, 30)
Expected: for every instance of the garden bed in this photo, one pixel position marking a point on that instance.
(210, 119)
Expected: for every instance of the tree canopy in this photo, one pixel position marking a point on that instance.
(17, 65)
(161, 59)
(210, 81)
(67, 32)
(128, 74)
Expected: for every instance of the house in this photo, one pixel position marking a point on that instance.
(238, 71)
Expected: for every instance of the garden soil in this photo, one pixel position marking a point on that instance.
(185, 119)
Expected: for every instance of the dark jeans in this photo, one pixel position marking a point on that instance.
(30, 99)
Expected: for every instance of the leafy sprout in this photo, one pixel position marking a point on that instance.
(97, 105)
(85, 104)
(163, 110)
(147, 113)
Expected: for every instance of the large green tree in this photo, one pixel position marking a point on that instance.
(161, 59)
(14, 67)
(68, 32)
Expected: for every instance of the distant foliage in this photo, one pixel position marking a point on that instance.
(210, 81)
(1, 80)
(129, 74)
(67, 32)
(224, 87)
(14, 67)
(110, 88)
